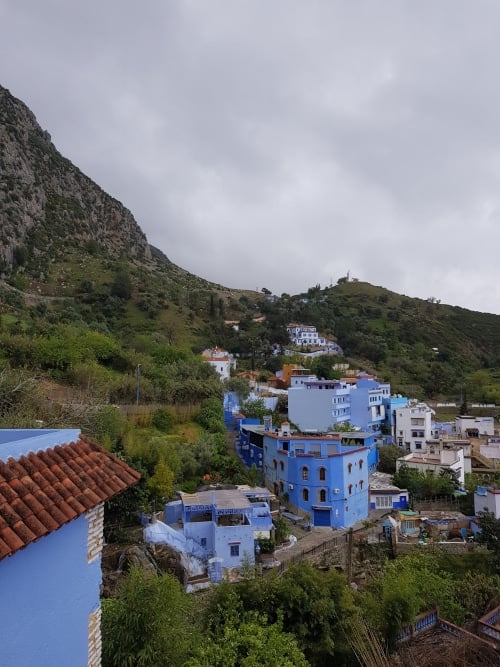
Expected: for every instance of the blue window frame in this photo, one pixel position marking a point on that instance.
(235, 550)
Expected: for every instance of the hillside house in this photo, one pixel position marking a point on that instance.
(323, 476)
(219, 527)
(444, 456)
(319, 405)
(367, 404)
(473, 427)
(412, 425)
(220, 360)
(487, 499)
(53, 485)
(384, 495)
(303, 334)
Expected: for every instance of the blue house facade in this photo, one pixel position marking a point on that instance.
(323, 476)
(391, 404)
(51, 517)
(367, 404)
(220, 526)
(319, 405)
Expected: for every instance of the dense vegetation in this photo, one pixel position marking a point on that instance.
(304, 617)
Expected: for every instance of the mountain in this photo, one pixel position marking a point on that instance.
(73, 256)
(62, 236)
(47, 205)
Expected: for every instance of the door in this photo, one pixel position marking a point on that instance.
(321, 517)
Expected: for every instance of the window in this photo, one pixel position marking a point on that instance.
(234, 550)
(381, 502)
(322, 496)
(350, 489)
(360, 464)
(418, 445)
(203, 541)
(305, 473)
(282, 465)
(322, 474)
(349, 468)
(282, 487)
(275, 464)
(360, 483)
(305, 495)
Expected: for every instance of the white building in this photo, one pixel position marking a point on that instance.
(413, 426)
(302, 334)
(491, 451)
(384, 495)
(487, 498)
(436, 459)
(220, 360)
(472, 427)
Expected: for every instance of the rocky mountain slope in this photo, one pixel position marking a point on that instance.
(47, 204)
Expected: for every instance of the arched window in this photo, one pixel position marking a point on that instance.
(322, 474)
(282, 487)
(305, 495)
(360, 464)
(322, 496)
(305, 473)
(282, 465)
(350, 489)
(275, 464)
(360, 483)
(349, 468)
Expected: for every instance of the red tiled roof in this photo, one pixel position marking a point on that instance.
(41, 492)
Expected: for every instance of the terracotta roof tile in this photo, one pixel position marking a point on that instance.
(11, 539)
(8, 493)
(42, 491)
(22, 531)
(4, 549)
(36, 526)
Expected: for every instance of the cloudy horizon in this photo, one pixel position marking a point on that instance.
(278, 143)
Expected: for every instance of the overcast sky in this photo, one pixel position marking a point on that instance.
(281, 143)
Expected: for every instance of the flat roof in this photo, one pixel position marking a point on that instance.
(220, 498)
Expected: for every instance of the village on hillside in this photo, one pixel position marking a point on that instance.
(316, 453)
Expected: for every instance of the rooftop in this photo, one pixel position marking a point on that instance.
(42, 491)
(221, 499)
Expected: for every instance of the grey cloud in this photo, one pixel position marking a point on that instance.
(282, 143)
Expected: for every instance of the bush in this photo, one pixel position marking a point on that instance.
(162, 420)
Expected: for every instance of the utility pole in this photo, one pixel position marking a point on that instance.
(138, 384)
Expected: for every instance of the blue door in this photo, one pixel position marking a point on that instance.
(321, 517)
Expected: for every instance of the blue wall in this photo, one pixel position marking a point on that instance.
(48, 591)
(19, 442)
(335, 481)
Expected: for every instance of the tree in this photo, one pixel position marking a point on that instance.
(490, 533)
(161, 483)
(251, 643)
(254, 408)
(122, 284)
(240, 385)
(387, 457)
(148, 624)
(211, 415)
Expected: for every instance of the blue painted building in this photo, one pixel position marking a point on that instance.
(250, 452)
(220, 524)
(391, 404)
(367, 404)
(324, 476)
(319, 405)
(53, 484)
(384, 495)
